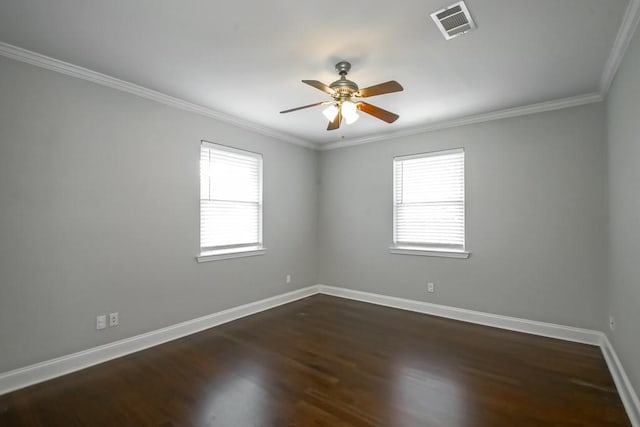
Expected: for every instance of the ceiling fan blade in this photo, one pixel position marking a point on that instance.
(303, 107)
(380, 89)
(335, 124)
(377, 112)
(319, 85)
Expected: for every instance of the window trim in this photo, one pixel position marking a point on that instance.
(433, 250)
(426, 251)
(216, 256)
(235, 250)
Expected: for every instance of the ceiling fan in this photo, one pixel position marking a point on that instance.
(343, 105)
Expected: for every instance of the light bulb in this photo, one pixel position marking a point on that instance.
(349, 112)
(330, 112)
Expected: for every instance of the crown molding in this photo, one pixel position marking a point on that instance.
(557, 104)
(33, 58)
(625, 34)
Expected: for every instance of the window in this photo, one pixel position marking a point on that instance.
(230, 202)
(428, 204)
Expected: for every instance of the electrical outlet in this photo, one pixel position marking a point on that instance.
(101, 322)
(612, 323)
(431, 288)
(288, 278)
(113, 319)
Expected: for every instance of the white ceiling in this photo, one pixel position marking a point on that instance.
(246, 58)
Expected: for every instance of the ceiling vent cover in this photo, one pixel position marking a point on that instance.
(454, 20)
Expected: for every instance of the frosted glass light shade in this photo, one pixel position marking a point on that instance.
(349, 111)
(330, 112)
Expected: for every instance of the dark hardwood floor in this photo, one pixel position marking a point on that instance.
(324, 361)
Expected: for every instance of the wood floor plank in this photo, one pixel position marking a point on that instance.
(326, 361)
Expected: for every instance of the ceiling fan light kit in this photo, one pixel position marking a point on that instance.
(344, 91)
(331, 112)
(349, 111)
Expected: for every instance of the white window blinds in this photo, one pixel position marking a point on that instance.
(429, 201)
(230, 199)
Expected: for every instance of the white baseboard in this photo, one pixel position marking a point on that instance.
(567, 333)
(586, 336)
(625, 389)
(23, 377)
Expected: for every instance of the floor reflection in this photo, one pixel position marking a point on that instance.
(421, 392)
(238, 400)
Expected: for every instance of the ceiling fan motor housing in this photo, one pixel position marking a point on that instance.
(344, 87)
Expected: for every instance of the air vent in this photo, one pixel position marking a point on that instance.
(454, 20)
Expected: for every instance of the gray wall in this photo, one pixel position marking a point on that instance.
(536, 211)
(99, 213)
(623, 124)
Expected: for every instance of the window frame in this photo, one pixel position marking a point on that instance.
(428, 249)
(214, 253)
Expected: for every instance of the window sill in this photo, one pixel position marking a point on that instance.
(443, 253)
(220, 255)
